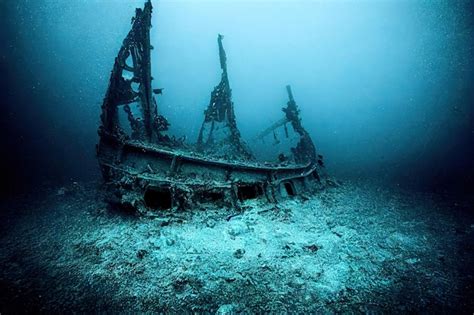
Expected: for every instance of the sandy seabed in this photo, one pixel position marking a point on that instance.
(355, 248)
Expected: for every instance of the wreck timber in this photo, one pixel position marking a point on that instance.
(146, 170)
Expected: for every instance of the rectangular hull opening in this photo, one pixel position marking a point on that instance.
(246, 192)
(158, 198)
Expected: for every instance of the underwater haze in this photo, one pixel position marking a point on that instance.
(384, 87)
(385, 90)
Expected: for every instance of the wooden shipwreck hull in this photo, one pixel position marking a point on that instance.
(147, 170)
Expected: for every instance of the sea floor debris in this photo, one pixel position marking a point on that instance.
(356, 247)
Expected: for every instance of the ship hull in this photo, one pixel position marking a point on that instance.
(147, 177)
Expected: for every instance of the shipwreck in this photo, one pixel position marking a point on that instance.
(146, 170)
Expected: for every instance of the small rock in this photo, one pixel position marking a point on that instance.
(237, 228)
(231, 309)
(170, 241)
(312, 248)
(210, 223)
(239, 253)
(141, 253)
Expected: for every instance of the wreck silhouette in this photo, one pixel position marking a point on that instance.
(145, 169)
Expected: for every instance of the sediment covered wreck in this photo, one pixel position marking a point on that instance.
(147, 170)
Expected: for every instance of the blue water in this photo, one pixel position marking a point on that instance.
(385, 89)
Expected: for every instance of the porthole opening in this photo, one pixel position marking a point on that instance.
(290, 190)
